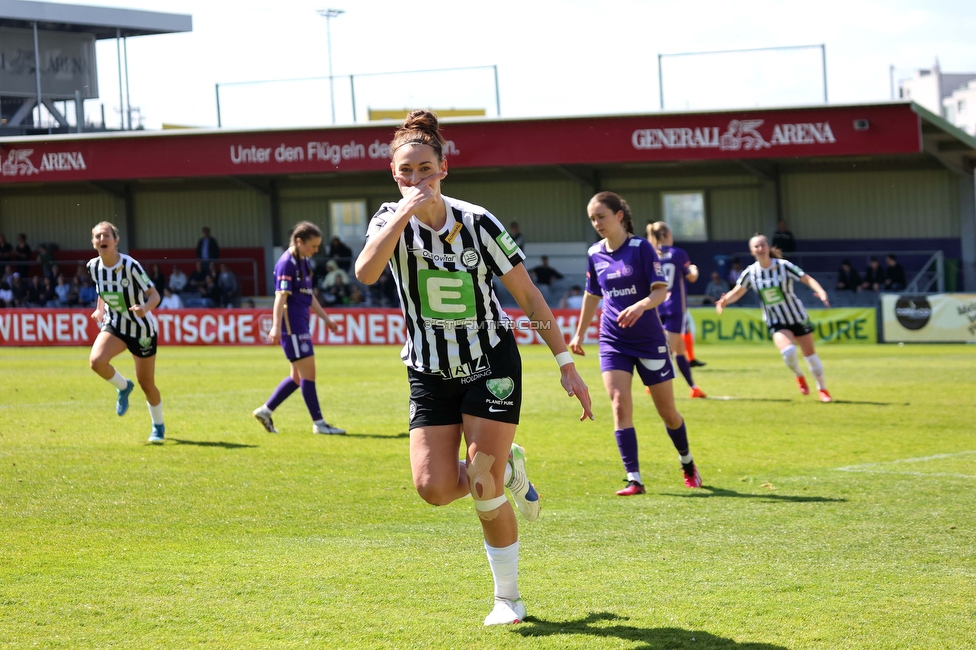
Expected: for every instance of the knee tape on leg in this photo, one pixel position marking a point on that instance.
(483, 486)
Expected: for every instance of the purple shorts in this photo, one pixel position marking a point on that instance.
(674, 322)
(297, 346)
(651, 371)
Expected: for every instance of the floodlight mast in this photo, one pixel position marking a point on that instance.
(329, 14)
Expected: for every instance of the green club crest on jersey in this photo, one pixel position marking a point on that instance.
(505, 242)
(501, 388)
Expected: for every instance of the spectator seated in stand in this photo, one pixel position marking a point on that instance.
(715, 289)
(894, 274)
(337, 294)
(8, 274)
(88, 296)
(22, 255)
(734, 272)
(333, 274)
(170, 300)
(848, 279)
(356, 296)
(21, 291)
(6, 250)
(177, 280)
(382, 293)
(229, 287)
(46, 297)
(572, 299)
(157, 277)
(45, 257)
(208, 294)
(196, 279)
(74, 292)
(6, 295)
(543, 275)
(63, 291)
(874, 276)
(341, 253)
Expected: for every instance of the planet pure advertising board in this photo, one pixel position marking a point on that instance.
(929, 318)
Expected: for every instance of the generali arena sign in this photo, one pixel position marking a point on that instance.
(829, 131)
(49, 327)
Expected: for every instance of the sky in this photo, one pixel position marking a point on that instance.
(553, 58)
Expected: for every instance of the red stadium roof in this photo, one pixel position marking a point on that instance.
(805, 132)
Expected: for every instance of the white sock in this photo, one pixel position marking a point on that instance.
(816, 367)
(685, 459)
(263, 409)
(156, 412)
(791, 360)
(119, 381)
(504, 570)
(634, 476)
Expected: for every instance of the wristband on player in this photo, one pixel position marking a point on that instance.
(564, 358)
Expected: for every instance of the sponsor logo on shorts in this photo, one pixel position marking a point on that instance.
(304, 347)
(145, 343)
(479, 366)
(413, 409)
(492, 409)
(501, 387)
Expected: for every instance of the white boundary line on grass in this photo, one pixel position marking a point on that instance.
(876, 468)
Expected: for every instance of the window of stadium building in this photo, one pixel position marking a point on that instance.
(684, 212)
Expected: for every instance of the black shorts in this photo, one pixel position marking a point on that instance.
(144, 347)
(489, 387)
(798, 329)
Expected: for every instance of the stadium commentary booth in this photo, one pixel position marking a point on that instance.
(851, 181)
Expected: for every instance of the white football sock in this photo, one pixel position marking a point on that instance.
(816, 367)
(791, 360)
(504, 570)
(156, 412)
(685, 459)
(634, 476)
(118, 381)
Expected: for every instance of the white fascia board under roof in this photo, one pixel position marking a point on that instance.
(103, 21)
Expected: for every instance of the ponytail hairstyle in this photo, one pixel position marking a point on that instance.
(616, 204)
(419, 127)
(659, 230)
(303, 230)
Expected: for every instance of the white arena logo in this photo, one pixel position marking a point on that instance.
(739, 135)
(19, 162)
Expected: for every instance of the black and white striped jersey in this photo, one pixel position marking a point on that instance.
(120, 287)
(775, 288)
(444, 281)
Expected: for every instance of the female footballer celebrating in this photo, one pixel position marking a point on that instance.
(462, 361)
(625, 271)
(126, 298)
(290, 327)
(772, 278)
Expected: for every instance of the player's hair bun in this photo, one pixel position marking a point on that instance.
(419, 127)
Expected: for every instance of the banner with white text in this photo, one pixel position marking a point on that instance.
(49, 327)
(846, 325)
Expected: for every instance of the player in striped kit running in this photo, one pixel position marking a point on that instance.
(772, 278)
(462, 361)
(126, 298)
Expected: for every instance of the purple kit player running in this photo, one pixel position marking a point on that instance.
(677, 267)
(293, 300)
(625, 271)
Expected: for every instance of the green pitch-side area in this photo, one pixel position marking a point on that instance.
(844, 525)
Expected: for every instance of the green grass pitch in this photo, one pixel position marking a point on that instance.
(844, 525)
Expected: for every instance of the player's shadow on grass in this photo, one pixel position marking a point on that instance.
(209, 443)
(870, 403)
(379, 436)
(707, 492)
(733, 398)
(607, 625)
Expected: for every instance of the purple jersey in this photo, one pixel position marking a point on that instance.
(294, 275)
(622, 278)
(674, 265)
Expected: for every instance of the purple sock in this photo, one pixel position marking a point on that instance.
(311, 399)
(680, 438)
(682, 362)
(627, 444)
(281, 393)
